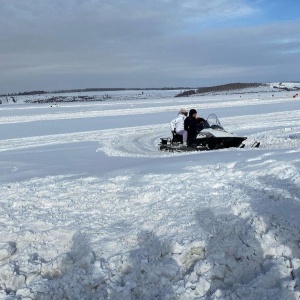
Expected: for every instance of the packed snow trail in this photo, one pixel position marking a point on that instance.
(58, 115)
(142, 141)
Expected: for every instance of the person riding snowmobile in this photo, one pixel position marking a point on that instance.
(193, 124)
(177, 125)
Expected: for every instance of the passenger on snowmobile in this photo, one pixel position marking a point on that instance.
(193, 124)
(177, 125)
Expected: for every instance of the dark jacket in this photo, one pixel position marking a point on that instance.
(193, 126)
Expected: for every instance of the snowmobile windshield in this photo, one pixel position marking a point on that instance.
(213, 121)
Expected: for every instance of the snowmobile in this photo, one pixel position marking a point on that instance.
(210, 136)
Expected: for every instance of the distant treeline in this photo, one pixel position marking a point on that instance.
(220, 88)
(95, 90)
(229, 87)
(27, 93)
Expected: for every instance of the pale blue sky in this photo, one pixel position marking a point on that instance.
(52, 45)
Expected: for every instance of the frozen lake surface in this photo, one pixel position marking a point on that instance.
(91, 209)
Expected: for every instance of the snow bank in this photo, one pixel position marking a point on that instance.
(235, 242)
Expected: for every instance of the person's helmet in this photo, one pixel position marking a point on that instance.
(192, 111)
(182, 111)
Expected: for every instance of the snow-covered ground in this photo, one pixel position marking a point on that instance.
(91, 209)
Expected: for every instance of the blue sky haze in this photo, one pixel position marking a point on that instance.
(52, 45)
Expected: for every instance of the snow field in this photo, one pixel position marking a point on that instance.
(210, 225)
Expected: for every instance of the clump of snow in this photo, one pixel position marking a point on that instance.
(7, 249)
